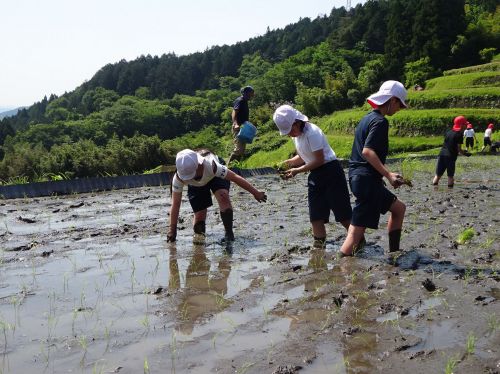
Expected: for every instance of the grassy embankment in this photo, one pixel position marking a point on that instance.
(473, 92)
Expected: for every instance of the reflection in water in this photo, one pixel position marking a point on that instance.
(204, 291)
(318, 263)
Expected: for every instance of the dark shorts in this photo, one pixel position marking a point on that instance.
(469, 142)
(487, 141)
(372, 200)
(445, 163)
(327, 190)
(200, 197)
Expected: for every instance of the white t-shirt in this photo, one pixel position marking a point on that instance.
(208, 174)
(312, 139)
(487, 133)
(469, 133)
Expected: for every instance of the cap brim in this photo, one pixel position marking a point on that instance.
(376, 100)
(286, 132)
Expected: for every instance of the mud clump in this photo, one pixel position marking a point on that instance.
(429, 285)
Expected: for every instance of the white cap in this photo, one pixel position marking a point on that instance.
(285, 116)
(187, 162)
(387, 90)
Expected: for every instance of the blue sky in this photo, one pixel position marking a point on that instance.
(53, 46)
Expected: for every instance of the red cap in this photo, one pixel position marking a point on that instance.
(469, 125)
(490, 126)
(459, 122)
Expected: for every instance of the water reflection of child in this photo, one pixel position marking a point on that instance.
(367, 168)
(202, 294)
(204, 172)
(452, 146)
(326, 183)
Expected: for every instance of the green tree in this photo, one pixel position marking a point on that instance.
(417, 72)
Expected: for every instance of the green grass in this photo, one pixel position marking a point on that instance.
(492, 66)
(414, 122)
(466, 80)
(474, 97)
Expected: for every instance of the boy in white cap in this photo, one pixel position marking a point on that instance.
(203, 172)
(367, 168)
(326, 183)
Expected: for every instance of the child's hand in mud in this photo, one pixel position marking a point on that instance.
(260, 196)
(172, 234)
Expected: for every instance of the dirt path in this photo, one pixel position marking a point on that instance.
(89, 284)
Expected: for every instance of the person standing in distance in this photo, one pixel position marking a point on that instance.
(452, 146)
(470, 137)
(240, 115)
(367, 168)
(487, 137)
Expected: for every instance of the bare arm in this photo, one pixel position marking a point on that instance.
(319, 159)
(294, 161)
(174, 216)
(234, 118)
(243, 183)
(394, 179)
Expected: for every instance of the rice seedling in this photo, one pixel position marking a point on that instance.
(244, 368)
(82, 341)
(146, 366)
(470, 346)
(451, 364)
(466, 235)
(173, 350)
(408, 167)
(493, 323)
(145, 323)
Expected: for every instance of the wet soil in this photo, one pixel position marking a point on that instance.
(89, 284)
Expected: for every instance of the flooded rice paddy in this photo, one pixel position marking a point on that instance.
(88, 284)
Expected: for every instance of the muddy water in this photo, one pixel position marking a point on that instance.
(89, 285)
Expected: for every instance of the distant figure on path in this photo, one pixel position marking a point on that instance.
(488, 133)
(452, 146)
(205, 172)
(240, 115)
(326, 184)
(367, 168)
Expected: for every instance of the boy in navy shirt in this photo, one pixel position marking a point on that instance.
(239, 116)
(366, 170)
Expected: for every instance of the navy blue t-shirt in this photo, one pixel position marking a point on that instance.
(372, 132)
(241, 107)
(451, 141)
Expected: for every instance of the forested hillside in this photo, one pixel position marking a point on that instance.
(124, 119)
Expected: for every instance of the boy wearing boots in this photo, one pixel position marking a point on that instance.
(204, 172)
(367, 168)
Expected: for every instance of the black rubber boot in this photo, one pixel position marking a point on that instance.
(319, 242)
(199, 227)
(394, 239)
(227, 220)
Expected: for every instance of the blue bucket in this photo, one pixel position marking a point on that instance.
(247, 132)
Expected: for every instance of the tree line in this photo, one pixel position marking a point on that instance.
(322, 65)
